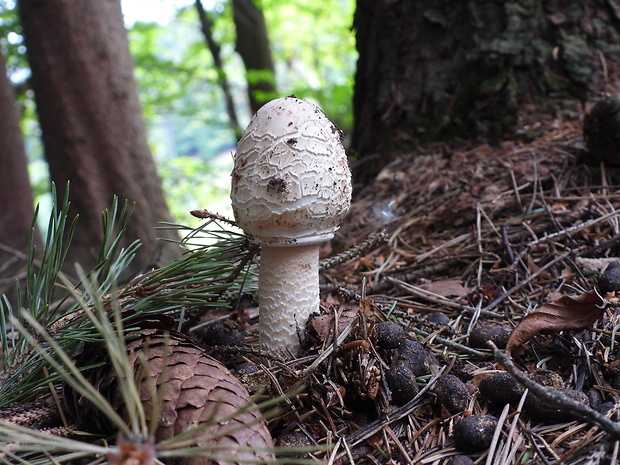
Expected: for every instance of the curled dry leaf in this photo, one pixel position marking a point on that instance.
(564, 314)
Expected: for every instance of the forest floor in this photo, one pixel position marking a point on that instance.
(450, 247)
(456, 246)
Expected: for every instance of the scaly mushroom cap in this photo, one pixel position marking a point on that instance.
(291, 183)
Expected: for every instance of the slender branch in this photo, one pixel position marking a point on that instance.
(507, 245)
(565, 232)
(441, 300)
(556, 398)
(206, 214)
(207, 30)
(371, 243)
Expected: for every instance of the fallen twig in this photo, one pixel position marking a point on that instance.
(360, 249)
(439, 299)
(556, 398)
(566, 232)
(454, 345)
(527, 280)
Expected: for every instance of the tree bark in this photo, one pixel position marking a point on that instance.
(15, 191)
(91, 121)
(441, 69)
(255, 50)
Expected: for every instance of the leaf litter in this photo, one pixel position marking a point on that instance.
(448, 246)
(564, 314)
(445, 242)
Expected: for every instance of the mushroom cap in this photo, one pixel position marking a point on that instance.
(291, 183)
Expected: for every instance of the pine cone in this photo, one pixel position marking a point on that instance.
(601, 130)
(196, 389)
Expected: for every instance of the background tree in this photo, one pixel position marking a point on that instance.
(432, 70)
(207, 29)
(15, 191)
(188, 128)
(91, 122)
(254, 48)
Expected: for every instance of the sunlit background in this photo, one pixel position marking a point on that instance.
(188, 128)
(155, 11)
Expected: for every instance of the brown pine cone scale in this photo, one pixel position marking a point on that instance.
(194, 389)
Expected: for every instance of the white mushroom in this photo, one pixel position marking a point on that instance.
(291, 188)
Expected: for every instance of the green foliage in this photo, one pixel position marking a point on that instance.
(219, 265)
(201, 278)
(312, 44)
(181, 101)
(21, 370)
(173, 77)
(11, 40)
(40, 285)
(314, 49)
(192, 183)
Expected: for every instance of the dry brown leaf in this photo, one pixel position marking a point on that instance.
(324, 324)
(564, 314)
(446, 288)
(365, 307)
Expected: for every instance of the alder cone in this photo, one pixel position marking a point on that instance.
(193, 388)
(601, 130)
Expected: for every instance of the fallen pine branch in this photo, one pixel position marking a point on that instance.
(556, 398)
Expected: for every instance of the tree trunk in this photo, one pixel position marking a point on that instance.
(15, 191)
(93, 132)
(253, 46)
(440, 69)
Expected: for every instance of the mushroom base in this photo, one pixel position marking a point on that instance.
(288, 289)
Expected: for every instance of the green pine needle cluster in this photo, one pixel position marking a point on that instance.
(19, 444)
(207, 275)
(38, 338)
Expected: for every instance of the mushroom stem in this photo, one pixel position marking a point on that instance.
(288, 289)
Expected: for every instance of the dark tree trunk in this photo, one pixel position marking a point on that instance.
(253, 46)
(93, 132)
(440, 69)
(15, 191)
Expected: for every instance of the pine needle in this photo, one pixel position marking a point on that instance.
(40, 338)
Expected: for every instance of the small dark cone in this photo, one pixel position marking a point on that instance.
(194, 387)
(609, 281)
(601, 130)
